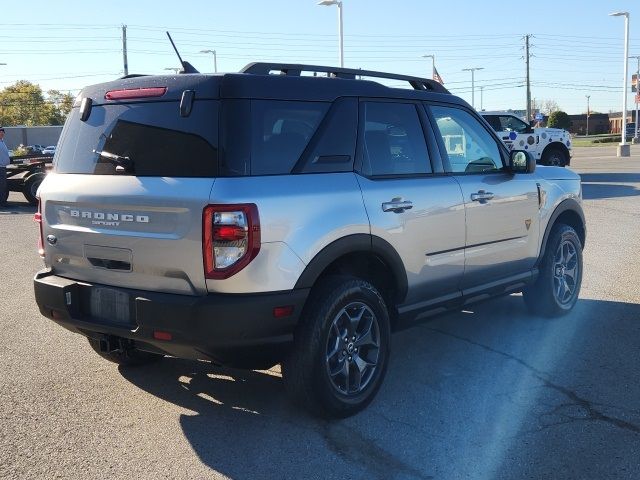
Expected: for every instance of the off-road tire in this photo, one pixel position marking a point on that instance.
(306, 371)
(544, 296)
(554, 156)
(127, 357)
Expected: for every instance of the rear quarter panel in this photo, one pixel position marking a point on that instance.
(299, 216)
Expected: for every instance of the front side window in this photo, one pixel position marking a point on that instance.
(509, 123)
(469, 147)
(394, 142)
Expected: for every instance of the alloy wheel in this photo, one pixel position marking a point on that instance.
(353, 349)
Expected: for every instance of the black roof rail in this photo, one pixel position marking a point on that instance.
(262, 68)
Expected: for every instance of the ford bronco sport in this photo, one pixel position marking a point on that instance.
(255, 218)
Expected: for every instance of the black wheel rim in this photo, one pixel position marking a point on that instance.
(566, 271)
(556, 160)
(353, 349)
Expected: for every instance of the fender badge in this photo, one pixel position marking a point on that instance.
(527, 222)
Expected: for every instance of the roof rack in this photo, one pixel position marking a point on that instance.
(293, 69)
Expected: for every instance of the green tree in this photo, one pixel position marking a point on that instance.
(24, 103)
(559, 119)
(63, 102)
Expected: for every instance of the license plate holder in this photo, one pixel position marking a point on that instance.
(110, 305)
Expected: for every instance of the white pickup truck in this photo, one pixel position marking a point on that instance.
(549, 146)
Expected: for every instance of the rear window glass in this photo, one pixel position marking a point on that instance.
(280, 132)
(151, 139)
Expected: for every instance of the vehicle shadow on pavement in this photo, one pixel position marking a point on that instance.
(609, 185)
(17, 208)
(476, 393)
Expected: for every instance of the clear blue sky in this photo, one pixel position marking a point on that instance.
(577, 49)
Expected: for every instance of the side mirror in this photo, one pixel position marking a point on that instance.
(521, 162)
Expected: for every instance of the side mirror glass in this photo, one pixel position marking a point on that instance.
(521, 162)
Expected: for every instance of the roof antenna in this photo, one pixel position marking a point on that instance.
(186, 66)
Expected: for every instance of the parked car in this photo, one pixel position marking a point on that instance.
(252, 219)
(50, 150)
(548, 146)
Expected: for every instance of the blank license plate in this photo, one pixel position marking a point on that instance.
(110, 305)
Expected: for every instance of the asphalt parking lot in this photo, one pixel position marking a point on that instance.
(488, 393)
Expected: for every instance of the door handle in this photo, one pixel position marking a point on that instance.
(397, 205)
(481, 196)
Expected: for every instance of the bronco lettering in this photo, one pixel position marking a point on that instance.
(113, 218)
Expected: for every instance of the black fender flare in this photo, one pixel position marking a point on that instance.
(568, 204)
(356, 243)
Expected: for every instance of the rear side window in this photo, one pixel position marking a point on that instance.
(281, 131)
(152, 138)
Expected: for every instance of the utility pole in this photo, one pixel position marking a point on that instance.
(473, 83)
(526, 57)
(124, 50)
(588, 97)
(481, 88)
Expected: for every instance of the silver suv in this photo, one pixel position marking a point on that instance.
(252, 219)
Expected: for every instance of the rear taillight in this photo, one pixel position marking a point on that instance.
(230, 239)
(131, 93)
(37, 217)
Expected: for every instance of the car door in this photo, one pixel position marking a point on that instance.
(501, 208)
(411, 203)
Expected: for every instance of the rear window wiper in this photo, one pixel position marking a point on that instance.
(125, 163)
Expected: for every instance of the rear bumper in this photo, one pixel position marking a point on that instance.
(229, 329)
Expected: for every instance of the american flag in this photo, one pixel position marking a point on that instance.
(436, 76)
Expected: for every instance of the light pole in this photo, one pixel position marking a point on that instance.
(327, 3)
(215, 59)
(481, 89)
(473, 85)
(173, 69)
(433, 64)
(588, 97)
(635, 135)
(624, 150)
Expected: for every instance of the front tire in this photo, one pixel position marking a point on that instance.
(555, 291)
(341, 348)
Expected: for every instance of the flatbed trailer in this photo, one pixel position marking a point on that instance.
(25, 174)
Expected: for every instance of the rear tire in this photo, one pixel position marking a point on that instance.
(341, 348)
(555, 291)
(125, 356)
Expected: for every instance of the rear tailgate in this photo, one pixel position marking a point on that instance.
(134, 224)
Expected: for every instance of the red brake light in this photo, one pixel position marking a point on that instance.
(37, 217)
(230, 238)
(228, 233)
(130, 93)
